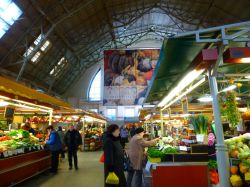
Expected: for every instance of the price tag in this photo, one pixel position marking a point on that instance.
(183, 148)
(38, 147)
(14, 152)
(42, 147)
(5, 154)
(29, 148)
(19, 151)
(247, 176)
(22, 150)
(10, 153)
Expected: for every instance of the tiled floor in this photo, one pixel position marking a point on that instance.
(90, 174)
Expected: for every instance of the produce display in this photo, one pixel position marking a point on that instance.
(164, 147)
(239, 150)
(93, 132)
(18, 142)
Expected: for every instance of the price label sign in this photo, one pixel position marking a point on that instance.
(10, 153)
(183, 148)
(5, 154)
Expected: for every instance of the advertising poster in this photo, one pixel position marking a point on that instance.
(127, 75)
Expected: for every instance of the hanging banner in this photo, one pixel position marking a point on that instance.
(127, 75)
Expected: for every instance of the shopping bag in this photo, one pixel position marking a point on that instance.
(102, 158)
(112, 178)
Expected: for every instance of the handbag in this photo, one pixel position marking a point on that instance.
(112, 178)
(102, 158)
(127, 163)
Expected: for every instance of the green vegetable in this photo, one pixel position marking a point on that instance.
(231, 109)
(244, 155)
(155, 153)
(19, 133)
(170, 150)
(212, 164)
(200, 124)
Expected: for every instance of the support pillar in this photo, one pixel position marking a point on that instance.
(162, 125)
(221, 149)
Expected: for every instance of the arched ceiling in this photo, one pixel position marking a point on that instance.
(79, 31)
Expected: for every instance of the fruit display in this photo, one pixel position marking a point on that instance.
(239, 148)
(93, 132)
(246, 115)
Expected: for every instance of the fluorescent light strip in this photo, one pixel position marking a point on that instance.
(188, 79)
(245, 60)
(186, 92)
(29, 107)
(40, 106)
(229, 88)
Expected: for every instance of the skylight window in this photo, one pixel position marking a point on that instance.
(58, 67)
(9, 13)
(35, 58)
(41, 51)
(45, 45)
(38, 40)
(29, 50)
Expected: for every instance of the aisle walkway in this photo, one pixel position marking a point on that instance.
(90, 174)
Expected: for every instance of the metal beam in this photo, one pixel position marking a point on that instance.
(110, 22)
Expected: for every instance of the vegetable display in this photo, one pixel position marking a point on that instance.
(155, 153)
(19, 133)
(16, 140)
(231, 109)
(200, 124)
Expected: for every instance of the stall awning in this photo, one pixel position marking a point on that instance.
(11, 88)
(176, 57)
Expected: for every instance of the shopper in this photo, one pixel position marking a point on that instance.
(55, 145)
(137, 156)
(124, 136)
(72, 140)
(132, 131)
(113, 155)
(61, 134)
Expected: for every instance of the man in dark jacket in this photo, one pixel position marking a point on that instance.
(72, 140)
(55, 145)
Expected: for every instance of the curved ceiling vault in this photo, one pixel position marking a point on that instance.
(79, 31)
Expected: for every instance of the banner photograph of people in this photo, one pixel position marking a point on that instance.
(127, 74)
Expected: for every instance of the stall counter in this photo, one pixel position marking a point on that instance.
(188, 174)
(19, 168)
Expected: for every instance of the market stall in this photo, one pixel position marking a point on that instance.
(90, 125)
(23, 113)
(199, 67)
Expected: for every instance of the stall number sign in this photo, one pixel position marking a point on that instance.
(234, 162)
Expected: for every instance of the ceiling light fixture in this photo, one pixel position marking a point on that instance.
(3, 103)
(205, 99)
(190, 89)
(188, 79)
(245, 60)
(229, 88)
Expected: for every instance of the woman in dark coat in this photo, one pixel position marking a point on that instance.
(113, 155)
